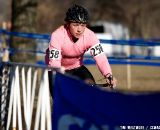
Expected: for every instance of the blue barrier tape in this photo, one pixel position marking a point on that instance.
(26, 35)
(116, 62)
(122, 62)
(112, 60)
(131, 42)
(132, 57)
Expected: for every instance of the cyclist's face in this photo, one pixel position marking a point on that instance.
(77, 29)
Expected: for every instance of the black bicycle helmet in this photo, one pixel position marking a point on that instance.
(77, 14)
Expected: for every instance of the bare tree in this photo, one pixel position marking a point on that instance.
(23, 20)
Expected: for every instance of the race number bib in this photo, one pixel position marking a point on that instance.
(96, 50)
(54, 54)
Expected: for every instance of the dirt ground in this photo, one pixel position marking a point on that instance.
(142, 78)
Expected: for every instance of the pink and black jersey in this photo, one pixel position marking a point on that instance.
(64, 52)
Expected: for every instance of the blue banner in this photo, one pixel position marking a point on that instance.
(78, 106)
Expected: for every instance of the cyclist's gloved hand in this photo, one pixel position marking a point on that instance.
(111, 81)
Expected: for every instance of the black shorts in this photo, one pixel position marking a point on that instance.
(81, 72)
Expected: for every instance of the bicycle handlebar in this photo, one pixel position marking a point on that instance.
(104, 85)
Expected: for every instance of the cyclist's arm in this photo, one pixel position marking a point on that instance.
(53, 53)
(103, 64)
(101, 59)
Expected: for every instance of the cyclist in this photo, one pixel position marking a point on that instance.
(70, 41)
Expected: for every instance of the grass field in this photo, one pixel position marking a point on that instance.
(143, 78)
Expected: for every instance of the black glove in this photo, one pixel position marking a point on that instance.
(109, 79)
